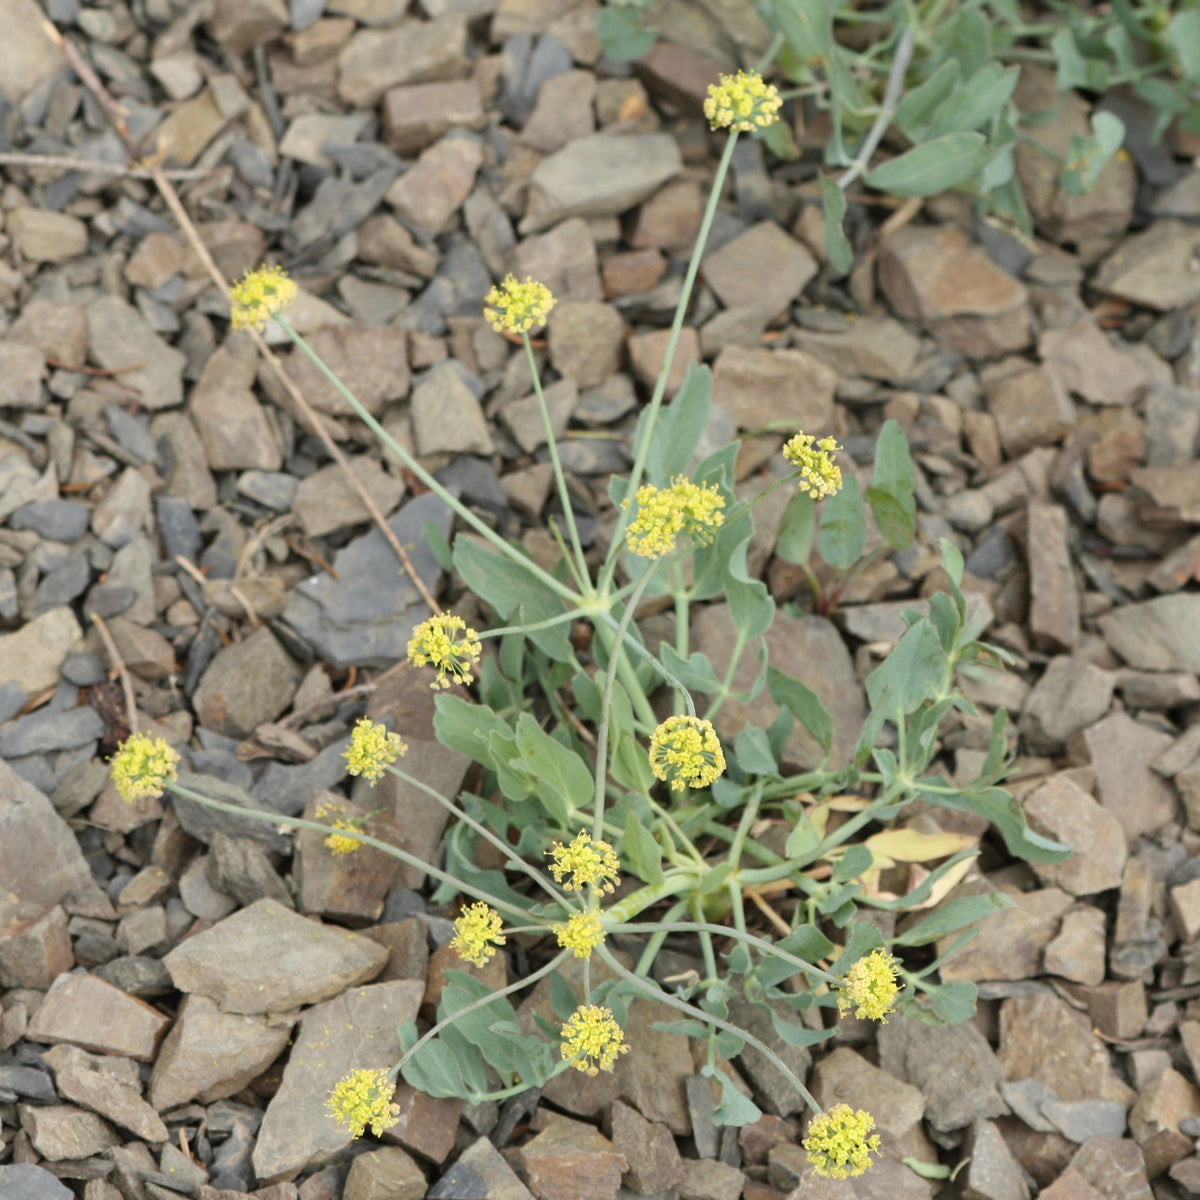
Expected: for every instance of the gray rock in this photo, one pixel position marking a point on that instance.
(1070, 696)
(1115, 1167)
(481, 1173)
(1152, 268)
(12, 700)
(327, 501)
(43, 731)
(133, 433)
(286, 788)
(1081, 1120)
(447, 416)
(1025, 1097)
(59, 520)
(271, 489)
(95, 1015)
(992, 1173)
(28, 1082)
(62, 1131)
(415, 51)
(1061, 809)
(62, 585)
(205, 823)
(240, 868)
(1158, 634)
(247, 683)
(118, 336)
(125, 510)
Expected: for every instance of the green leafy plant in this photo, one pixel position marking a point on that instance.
(573, 756)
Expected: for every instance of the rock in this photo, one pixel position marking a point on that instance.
(571, 1161)
(372, 363)
(762, 268)
(425, 1125)
(240, 868)
(653, 1162)
(355, 1031)
(325, 501)
(1010, 943)
(1120, 750)
(1154, 1121)
(1086, 363)
(1062, 810)
(247, 683)
(953, 1065)
(308, 135)
(387, 1171)
(239, 25)
(24, 1181)
(35, 951)
(62, 1131)
(209, 1055)
(992, 1172)
(189, 127)
(414, 51)
(1042, 1037)
(1118, 1009)
(40, 860)
(563, 112)
(1054, 601)
(870, 347)
(932, 274)
(416, 116)
(22, 369)
(523, 418)
(45, 236)
(59, 331)
(646, 353)
(434, 188)
(58, 520)
(1173, 493)
(88, 1012)
(1158, 634)
(845, 1077)
(777, 1093)
(481, 1173)
(1185, 908)
(632, 272)
(1031, 409)
(1152, 269)
(1071, 695)
(708, 1179)
(117, 1101)
(1115, 1167)
(30, 55)
(779, 389)
(599, 176)
(1081, 1120)
(1077, 952)
(1172, 425)
(585, 341)
(118, 336)
(241, 962)
(232, 423)
(447, 417)
(124, 512)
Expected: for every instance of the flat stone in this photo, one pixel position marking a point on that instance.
(58, 520)
(308, 134)
(710, 1179)
(190, 126)
(22, 369)
(1115, 1167)
(372, 363)
(807, 648)
(1172, 492)
(415, 116)
(240, 24)
(88, 1012)
(44, 731)
(62, 1131)
(563, 112)
(415, 51)
(144, 651)
(1118, 1008)
(1077, 952)
(355, 1031)
(389, 1172)
(1185, 908)
(601, 175)
(241, 962)
(523, 418)
(447, 416)
(425, 1125)
(42, 235)
(845, 1077)
(25, 1181)
(778, 389)
(647, 351)
(1054, 599)
(35, 951)
(232, 423)
(1031, 409)
(59, 331)
(435, 186)
(870, 347)
(992, 1172)
(124, 512)
(1152, 269)
(30, 55)
(1081, 1120)
(112, 1099)
(649, 1150)
(1062, 810)
(326, 501)
(934, 275)
(632, 272)
(570, 1161)
(585, 341)
(1042, 1037)
(763, 268)
(118, 335)
(1071, 695)
(209, 1054)
(1121, 750)
(1084, 361)
(1154, 1121)
(481, 1173)
(1009, 944)
(564, 259)
(1158, 634)
(247, 683)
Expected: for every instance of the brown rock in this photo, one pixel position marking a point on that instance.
(494, 973)
(564, 259)
(670, 219)
(1070, 1185)
(232, 423)
(1053, 598)
(240, 24)
(1118, 1008)
(1086, 363)
(117, 1101)
(1077, 952)
(414, 117)
(632, 272)
(1173, 493)
(563, 111)
(407, 947)
(326, 500)
(384, 241)
(845, 1077)
(59, 331)
(35, 951)
(874, 347)
(86, 1011)
(29, 55)
(585, 341)
(1061, 809)
(1151, 268)
(1154, 1121)
(646, 352)
(649, 1150)
(385, 1172)
(1031, 409)
(762, 268)
(62, 1131)
(1185, 908)
(430, 192)
(426, 1125)
(372, 363)
(415, 51)
(1115, 1167)
(1117, 446)
(42, 235)
(570, 1161)
(779, 389)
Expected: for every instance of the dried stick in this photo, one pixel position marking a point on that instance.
(126, 170)
(114, 657)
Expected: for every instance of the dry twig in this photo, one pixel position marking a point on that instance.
(114, 657)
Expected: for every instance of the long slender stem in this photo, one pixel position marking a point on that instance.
(739, 644)
(660, 386)
(560, 479)
(419, 471)
(636, 646)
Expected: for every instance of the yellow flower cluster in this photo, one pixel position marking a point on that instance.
(364, 1098)
(837, 1143)
(340, 817)
(517, 307)
(584, 863)
(870, 984)
(445, 642)
(259, 296)
(142, 767)
(686, 752)
(742, 101)
(372, 748)
(664, 513)
(477, 933)
(582, 933)
(820, 476)
(592, 1039)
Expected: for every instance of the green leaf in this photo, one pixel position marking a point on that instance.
(754, 752)
(932, 167)
(734, 1109)
(679, 426)
(919, 104)
(714, 880)
(798, 529)
(911, 674)
(622, 35)
(804, 704)
(976, 102)
(1002, 810)
(807, 25)
(439, 547)
(955, 915)
(750, 603)
(807, 942)
(777, 137)
(799, 1035)
(893, 487)
(972, 39)
(1087, 157)
(562, 999)
(468, 728)
(852, 864)
(640, 849)
(843, 531)
(837, 248)
(927, 1170)
(695, 673)
(434, 1071)
(562, 779)
(864, 937)
(953, 1002)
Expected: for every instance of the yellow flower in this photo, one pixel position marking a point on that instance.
(871, 985)
(259, 296)
(142, 767)
(837, 1143)
(518, 307)
(820, 476)
(372, 748)
(582, 933)
(742, 101)
(437, 643)
(592, 1039)
(340, 817)
(477, 933)
(686, 752)
(664, 513)
(364, 1098)
(585, 863)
